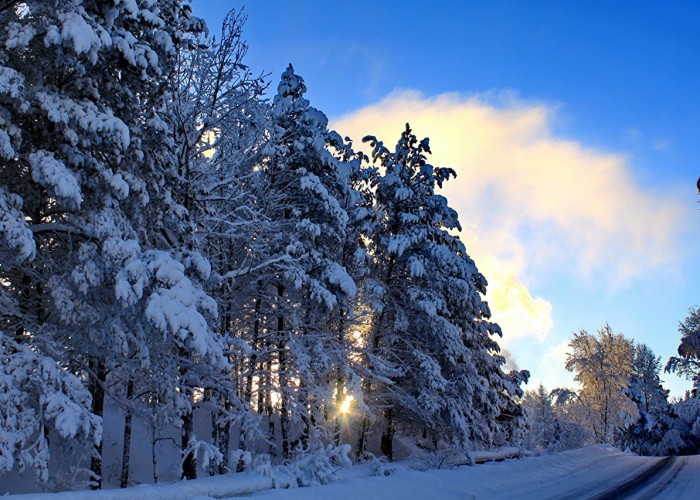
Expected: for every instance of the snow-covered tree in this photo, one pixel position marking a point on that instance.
(429, 343)
(646, 368)
(687, 424)
(687, 363)
(216, 118)
(654, 431)
(39, 401)
(296, 281)
(603, 364)
(85, 163)
(177, 245)
(543, 423)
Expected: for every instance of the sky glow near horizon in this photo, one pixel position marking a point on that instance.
(573, 131)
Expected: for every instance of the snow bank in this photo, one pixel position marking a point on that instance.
(216, 487)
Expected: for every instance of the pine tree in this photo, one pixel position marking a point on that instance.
(687, 363)
(655, 430)
(430, 335)
(543, 422)
(86, 159)
(311, 196)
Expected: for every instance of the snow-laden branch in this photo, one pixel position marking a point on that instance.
(57, 227)
(243, 271)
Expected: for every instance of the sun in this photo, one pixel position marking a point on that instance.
(345, 405)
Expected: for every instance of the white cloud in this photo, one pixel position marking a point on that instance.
(513, 307)
(551, 372)
(531, 203)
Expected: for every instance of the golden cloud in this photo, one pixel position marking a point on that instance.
(513, 307)
(530, 201)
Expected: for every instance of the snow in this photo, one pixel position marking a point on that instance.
(403, 193)
(316, 118)
(134, 52)
(11, 82)
(416, 267)
(6, 149)
(337, 275)
(308, 227)
(584, 472)
(86, 115)
(52, 173)
(579, 473)
(76, 29)
(217, 487)
(119, 186)
(14, 230)
(19, 36)
(312, 183)
(201, 265)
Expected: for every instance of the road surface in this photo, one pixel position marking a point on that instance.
(596, 472)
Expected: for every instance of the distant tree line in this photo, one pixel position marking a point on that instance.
(621, 399)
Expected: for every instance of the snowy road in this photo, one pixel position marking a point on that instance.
(657, 478)
(595, 472)
(672, 477)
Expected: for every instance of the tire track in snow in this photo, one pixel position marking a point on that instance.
(642, 480)
(679, 463)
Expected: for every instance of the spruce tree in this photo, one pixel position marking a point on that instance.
(85, 168)
(430, 334)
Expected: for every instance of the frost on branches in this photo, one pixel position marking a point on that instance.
(39, 400)
(225, 271)
(687, 363)
(440, 367)
(85, 156)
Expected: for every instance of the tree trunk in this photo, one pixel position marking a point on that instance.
(126, 449)
(307, 420)
(154, 456)
(364, 426)
(284, 415)
(189, 463)
(339, 381)
(362, 439)
(338, 402)
(268, 406)
(215, 416)
(387, 443)
(282, 374)
(254, 355)
(252, 364)
(224, 437)
(98, 376)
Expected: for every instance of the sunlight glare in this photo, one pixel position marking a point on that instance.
(345, 406)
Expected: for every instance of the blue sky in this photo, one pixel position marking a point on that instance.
(577, 122)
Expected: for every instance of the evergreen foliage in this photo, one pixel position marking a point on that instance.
(687, 363)
(654, 432)
(173, 245)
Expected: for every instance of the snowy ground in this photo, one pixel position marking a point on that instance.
(593, 472)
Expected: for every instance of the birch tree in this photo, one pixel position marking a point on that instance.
(603, 364)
